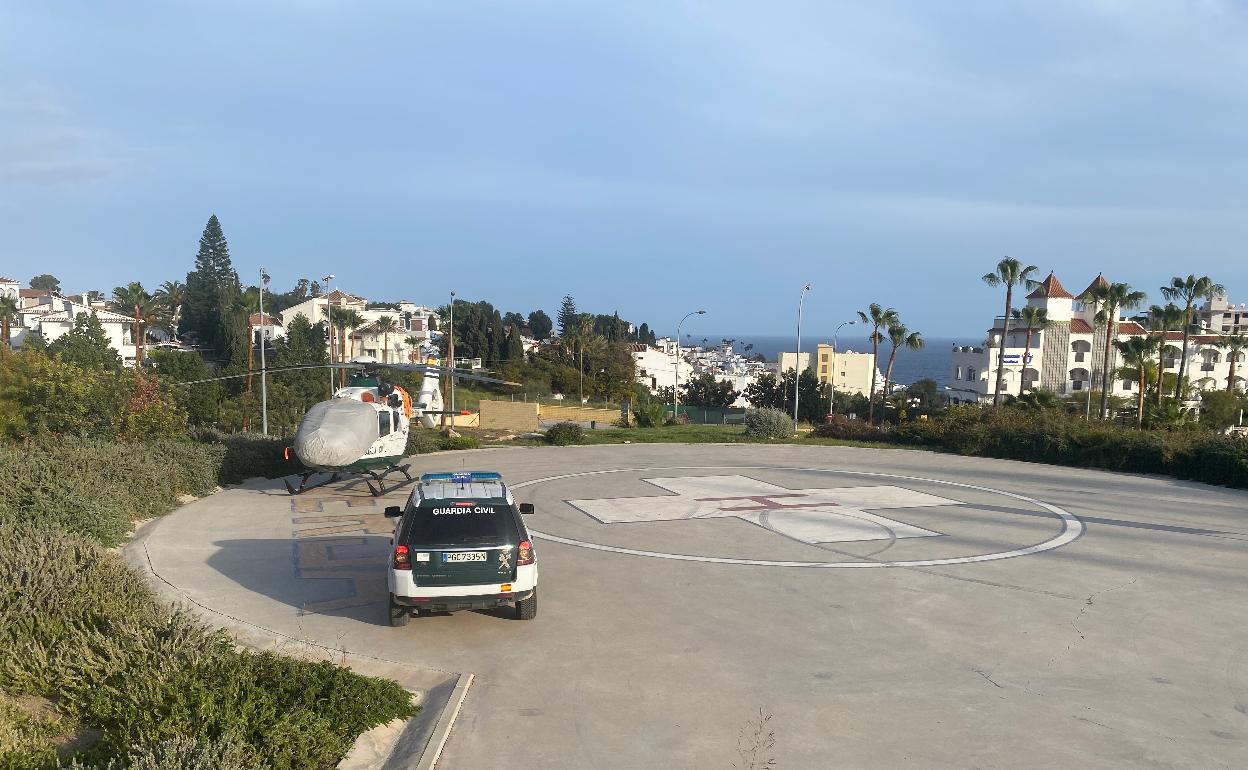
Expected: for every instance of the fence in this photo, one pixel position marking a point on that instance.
(705, 415)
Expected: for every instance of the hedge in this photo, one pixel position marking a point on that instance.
(248, 455)
(98, 488)
(78, 626)
(768, 423)
(1055, 438)
(565, 433)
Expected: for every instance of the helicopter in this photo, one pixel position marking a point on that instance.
(362, 429)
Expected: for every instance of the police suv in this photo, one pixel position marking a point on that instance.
(459, 544)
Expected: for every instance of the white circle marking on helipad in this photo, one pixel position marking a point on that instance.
(1072, 526)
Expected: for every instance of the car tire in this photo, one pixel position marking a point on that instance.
(526, 609)
(399, 615)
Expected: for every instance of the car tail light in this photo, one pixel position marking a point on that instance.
(401, 559)
(524, 554)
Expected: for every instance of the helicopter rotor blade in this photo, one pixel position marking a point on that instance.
(269, 370)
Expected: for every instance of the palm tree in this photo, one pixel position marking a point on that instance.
(877, 318)
(1137, 355)
(386, 324)
(414, 343)
(1186, 291)
(1234, 343)
(1033, 319)
(134, 301)
(8, 311)
(1009, 273)
(900, 336)
(1164, 319)
(171, 296)
(1111, 298)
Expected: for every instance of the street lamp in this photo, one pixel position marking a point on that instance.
(264, 385)
(676, 390)
(450, 353)
(329, 324)
(832, 370)
(797, 369)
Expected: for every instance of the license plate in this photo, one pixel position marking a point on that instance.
(464, 556)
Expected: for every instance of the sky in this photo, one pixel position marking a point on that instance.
(647, 158)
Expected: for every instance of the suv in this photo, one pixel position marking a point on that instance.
(459, 544)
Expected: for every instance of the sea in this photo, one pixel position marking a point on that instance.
(933, 360)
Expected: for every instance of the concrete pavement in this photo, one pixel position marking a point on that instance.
(882, 607)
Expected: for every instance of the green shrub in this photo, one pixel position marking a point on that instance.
(565, 433)
(248, 455)
(841, 427)
(650, 415)
(421, 441)
(194, 754)
(26, 737)
(98, 488)
(77, 624)
(459, 442)
(768, 423)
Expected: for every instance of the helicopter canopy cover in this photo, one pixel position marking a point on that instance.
(335, 433)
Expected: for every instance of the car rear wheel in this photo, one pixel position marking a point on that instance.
(399, 615)
(526, 609)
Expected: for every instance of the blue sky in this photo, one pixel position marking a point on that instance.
(649, 158)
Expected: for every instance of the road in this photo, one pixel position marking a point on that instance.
(863, 608)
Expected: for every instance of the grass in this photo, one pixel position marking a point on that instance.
(671, 434)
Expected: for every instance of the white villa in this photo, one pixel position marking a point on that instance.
(1067, 356)
(659, 364)
(412, 320)
(50, 315)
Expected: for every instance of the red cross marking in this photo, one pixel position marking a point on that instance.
(765, 502)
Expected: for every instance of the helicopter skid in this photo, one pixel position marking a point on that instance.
(304, 486)
(380, 478)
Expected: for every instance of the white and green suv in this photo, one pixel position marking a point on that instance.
(460, 543)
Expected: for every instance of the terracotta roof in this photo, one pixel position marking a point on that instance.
(6, 280)
(254, 320)
(1080, 326)
(1131, 327)
(1051, 288)
(1098, 281)
(104, 316)
(339, 294)
(33, 293)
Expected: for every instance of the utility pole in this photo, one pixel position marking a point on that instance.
(264, 383)
(797, 380)
(450, 353)
(329, 326)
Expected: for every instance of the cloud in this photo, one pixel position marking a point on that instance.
(43, 142)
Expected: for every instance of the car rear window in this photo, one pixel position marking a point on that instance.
(461, 522)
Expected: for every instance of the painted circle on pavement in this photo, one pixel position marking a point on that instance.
(1072, 526)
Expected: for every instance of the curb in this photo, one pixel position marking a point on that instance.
(415, 744)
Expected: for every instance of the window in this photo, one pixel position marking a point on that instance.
(383, 424)
(1126, 384)
(823, 357)
(957, 373)
(970, 374)
(1080, 348)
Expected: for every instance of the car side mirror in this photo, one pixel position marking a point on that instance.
(526, 507)
(393, 511)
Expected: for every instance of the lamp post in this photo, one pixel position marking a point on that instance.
(797, 380)
(264, 384)
(450, 353)
(676, 390)
(832, 370)
(329, 324)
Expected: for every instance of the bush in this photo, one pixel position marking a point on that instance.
(565, 433)
(98, 488)
(768, 423)
(1053, 437)
(421, 441)
(85, 629)
(459, 442)
(248, 455)
(842, 427)
(650, 415)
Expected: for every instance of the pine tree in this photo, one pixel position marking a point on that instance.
(513, 351)
(303, 345)
(210, 289)
(539, 324)
(569, 318)
(86, 345)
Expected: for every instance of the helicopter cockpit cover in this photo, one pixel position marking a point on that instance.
(335, 433)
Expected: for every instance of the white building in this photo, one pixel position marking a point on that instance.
(51, 315)
(658, 366)
(412, 320)
(1067, 357)
(268, 327)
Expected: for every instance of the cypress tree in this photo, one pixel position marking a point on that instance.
(210, 289)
